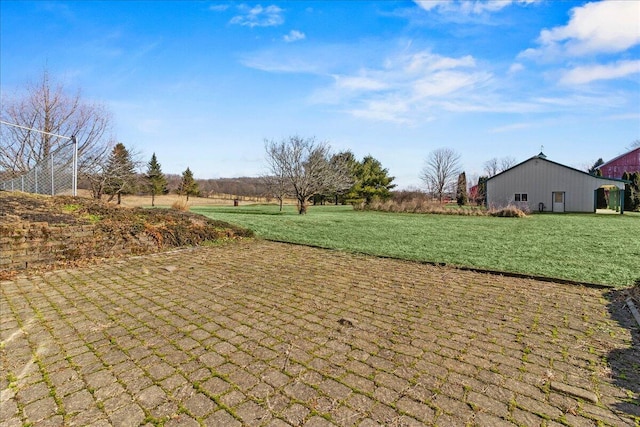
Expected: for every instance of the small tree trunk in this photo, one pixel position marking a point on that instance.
(280, 204)
(119, 197)
(302, 207)
(153, 199)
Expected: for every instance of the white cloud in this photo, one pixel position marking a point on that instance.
(468, 7)
(274, 62)
(586, 74)
(406, 88)
(628, 116)
(444, 83)
(429, 5)
(512, 127)
(394, 111)
(359, 83)
(297, 58)
(516, 67)
(597, 27)
(426, 62)
(259, 16)
(412, 86)
(293, 36)
(219, 7)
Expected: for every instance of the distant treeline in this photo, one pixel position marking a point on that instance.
(243, 186)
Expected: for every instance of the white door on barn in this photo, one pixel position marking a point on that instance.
(558, 201)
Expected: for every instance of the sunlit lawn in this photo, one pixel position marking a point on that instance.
(591, 248)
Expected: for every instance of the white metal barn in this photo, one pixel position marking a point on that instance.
(538, 184)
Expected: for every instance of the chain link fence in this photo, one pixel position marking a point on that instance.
(56, 174)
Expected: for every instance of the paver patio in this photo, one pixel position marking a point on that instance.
(261, 333)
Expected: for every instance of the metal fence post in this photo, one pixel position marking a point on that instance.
(75, 166)
(52, 185)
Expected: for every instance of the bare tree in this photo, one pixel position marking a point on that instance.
(277, 186)
(47, 107)
(495, 166)
(492, 167)
(635, 144)
(343, 165)
(440, 171)
(507, 163)
(306, 167)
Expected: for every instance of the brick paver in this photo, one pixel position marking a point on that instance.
(267, 334)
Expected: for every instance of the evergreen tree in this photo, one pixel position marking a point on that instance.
(188, 185)
(371, 181)
(592, 170)
(155, 179)
(481, 194)
(461, 190)
(635, 192)
(120, 174)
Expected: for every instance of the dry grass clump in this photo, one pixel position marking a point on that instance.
(420, 205)
(180, 205)
(508, 212)
(425, 206)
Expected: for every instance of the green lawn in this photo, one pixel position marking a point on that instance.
(602, 249)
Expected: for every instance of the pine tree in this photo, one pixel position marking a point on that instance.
(188, 185)
(371, 181)
(461, 190)
(155, 179)
(120, 174)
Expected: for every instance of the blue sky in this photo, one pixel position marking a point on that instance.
(203, 84)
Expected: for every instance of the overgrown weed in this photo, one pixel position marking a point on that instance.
(424, 206)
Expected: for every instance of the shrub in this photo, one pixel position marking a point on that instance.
(409, 195)
(419, 205)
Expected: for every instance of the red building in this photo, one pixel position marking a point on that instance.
(628, 162)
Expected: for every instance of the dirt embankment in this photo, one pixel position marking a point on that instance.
(41, 231)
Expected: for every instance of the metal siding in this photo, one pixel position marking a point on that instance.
(539, 179)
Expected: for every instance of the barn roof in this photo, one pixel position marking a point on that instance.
(619, 157)
(543, 157)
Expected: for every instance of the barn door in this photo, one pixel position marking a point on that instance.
(558, 201)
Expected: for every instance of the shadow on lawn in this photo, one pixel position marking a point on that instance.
(625, 362)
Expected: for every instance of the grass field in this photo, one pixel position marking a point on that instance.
(603, 249)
